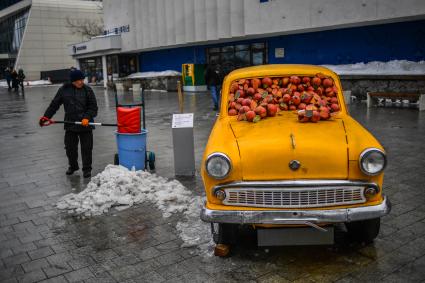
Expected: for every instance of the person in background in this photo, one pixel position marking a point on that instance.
(214, 79)
(21, 78)
(8, 76)
(80, 105)
(15, 84)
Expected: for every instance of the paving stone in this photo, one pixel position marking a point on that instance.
(16, 259)
(64, 246)
(101, 278)
(35, 264)
(60, 258)
(148, 253)
(103, 255)
(168, 259)
(9, 221)
(40, 253)
(57, 279)
(33, 276)
(56, 269)
(125, 272)
(81, 262)
(79, 275)
(23, 226)
(4, 252)
(152, 276)
(24, 248)
(30, 238)
(126, 260)
(12, 272)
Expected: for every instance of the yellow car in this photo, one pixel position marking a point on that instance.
(284, 177)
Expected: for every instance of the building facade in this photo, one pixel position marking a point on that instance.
(35, 34)
(164, 34)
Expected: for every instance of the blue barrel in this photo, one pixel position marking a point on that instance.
(132, 149)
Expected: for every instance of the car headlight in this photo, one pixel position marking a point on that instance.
(372, 161)
(218, 165)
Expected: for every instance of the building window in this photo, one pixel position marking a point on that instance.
(92, 67)
(232, 57)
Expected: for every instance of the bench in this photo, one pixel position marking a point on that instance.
(372, 98)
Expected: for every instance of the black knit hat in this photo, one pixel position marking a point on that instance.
(76, 75)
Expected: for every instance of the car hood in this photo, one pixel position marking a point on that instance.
(266, 148)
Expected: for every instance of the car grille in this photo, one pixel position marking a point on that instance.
(294, 197)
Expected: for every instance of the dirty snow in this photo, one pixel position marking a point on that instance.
(3, 83)
(121, 188)
(395, 67)
(167, 73)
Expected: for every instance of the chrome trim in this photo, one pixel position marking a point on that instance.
(296, 216)
(294, 183)
(294, 197)
(225, 157)
(366, 151)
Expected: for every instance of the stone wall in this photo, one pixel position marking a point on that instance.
(163, 83)
(360, 85)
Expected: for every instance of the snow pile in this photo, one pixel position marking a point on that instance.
(3, 83)
(140, 75)
(40, 82)
(119, 187)
(395, 67)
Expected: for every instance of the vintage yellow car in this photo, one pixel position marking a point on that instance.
(283, 177)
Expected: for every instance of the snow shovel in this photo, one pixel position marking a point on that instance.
(50, 122)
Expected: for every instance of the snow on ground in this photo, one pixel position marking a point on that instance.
(3, 83)
(395, 67)
(167, 73)
(119, 187)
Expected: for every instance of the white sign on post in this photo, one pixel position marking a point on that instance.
(182, 121)
(183, 144)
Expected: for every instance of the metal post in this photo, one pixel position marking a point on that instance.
(181, 97)
(104, 72)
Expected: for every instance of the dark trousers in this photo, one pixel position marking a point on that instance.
(71, 147)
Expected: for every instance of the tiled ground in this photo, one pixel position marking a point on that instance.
(138, 245)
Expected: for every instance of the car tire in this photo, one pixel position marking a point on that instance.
(224, 233)
(116, 159)
(364, 231)
(151, 160)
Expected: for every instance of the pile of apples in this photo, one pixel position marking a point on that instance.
(314, 97)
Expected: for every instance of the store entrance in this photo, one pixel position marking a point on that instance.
(236, 56)
(122, 65)
(92, 67)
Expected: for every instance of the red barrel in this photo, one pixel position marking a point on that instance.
(128, 119)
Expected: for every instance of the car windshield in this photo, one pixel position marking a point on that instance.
(253, 99)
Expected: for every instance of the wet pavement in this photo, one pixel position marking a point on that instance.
(39, 243)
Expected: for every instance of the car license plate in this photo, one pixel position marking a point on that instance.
(295, 236)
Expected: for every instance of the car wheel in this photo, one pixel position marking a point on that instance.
(224, 233)
(151, 160)
(116, 159)
(364, 231)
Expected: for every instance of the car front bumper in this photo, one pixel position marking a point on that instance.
(296, 216)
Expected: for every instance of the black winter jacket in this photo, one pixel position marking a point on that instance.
(213, 76)
(78, 104)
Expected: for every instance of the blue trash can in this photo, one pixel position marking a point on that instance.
(132, 149)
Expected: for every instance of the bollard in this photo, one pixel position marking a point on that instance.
(136, 92)
(347, 96)
(180, 95)
(183, 145)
